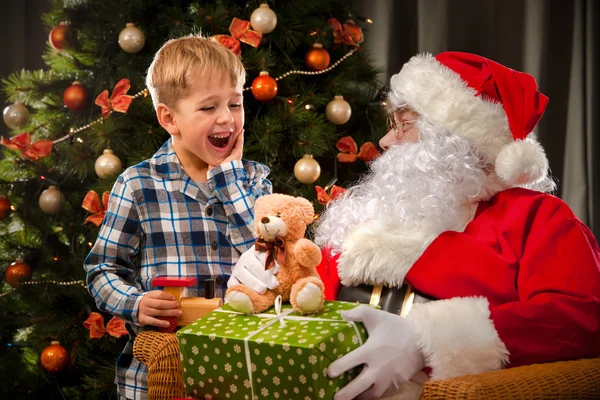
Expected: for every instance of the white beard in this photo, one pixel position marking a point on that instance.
(412, 187)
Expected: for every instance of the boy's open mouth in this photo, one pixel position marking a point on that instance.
(219, 140)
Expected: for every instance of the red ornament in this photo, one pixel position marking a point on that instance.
(75, 97)
(18, 272)
(54, 358)
(58, 36)
(317, 58)
(4, 207)
(264, 87)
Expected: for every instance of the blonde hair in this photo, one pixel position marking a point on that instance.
(169, 75)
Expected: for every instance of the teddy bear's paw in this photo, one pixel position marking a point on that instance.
(240, 302)
(307, 253)
(309, 297)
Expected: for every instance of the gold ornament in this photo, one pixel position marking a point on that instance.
(108, 166)
(317, 58)
(17, 272)
(131, 38)
(338, 111)
(263, 19)
(307, 169)
(54, 358)
(51, 200)
(16, 115)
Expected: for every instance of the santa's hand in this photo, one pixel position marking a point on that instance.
(253, 275)
(390, 355)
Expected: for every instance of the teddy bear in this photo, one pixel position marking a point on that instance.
(284, 258)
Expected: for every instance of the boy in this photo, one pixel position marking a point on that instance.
(186, 212)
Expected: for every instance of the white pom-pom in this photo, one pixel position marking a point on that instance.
(522, 162)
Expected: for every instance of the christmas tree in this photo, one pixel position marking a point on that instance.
(78, 123)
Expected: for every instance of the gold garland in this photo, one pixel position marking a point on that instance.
(73, 131)
(144, 93)
(299, 72)
(70, 283)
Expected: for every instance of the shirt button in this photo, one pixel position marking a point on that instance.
(219, 280)
(209, 211)
(214, 245)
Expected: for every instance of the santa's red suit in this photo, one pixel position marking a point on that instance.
(520, 285)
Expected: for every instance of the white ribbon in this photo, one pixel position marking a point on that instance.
(278, 304)
(279, 316)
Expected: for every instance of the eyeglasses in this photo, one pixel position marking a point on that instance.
(395, 125)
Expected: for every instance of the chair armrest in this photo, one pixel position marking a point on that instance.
(577, 379)
(160, 352)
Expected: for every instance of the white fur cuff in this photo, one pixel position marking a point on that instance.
(458, 337)
(376, 253)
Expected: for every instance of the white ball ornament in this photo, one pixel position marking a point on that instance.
(263, 19)
(131, 38)
(338, 111)
(51, 200)
(16, 115)
(307, 169)
(108, 166)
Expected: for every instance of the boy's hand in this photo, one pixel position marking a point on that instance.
(157, 303)
(236, 150)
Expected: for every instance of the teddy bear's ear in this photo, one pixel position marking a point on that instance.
(259, 205)
(308, 211)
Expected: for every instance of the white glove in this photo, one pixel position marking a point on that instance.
(390, 355)
(250, 271)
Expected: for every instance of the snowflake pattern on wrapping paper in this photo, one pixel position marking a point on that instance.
(286, 363)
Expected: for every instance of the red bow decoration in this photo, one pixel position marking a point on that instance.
(324, 198)
(240, 32)
(116, 327)
(95, 323)
(91, 203)
(349, 150)
(119, 100)
(349, 33)
(31, 151)
(275, 251)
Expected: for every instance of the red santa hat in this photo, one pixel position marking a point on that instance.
(494, 107)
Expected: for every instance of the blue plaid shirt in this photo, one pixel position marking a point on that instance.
(159, 222)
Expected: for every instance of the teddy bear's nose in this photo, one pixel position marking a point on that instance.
(265, 220)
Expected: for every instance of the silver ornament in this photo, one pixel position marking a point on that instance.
(108, 166)
(263, 19)
(338, 111)
(131, 38)
(16, 115)
(51, 200)
(307, 169)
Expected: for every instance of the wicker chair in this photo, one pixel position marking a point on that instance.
(579, 379)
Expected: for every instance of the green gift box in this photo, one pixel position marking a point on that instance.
(279, 354)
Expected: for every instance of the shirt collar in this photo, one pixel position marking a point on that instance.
(166, 164)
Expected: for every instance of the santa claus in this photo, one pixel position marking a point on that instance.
(453, 228)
